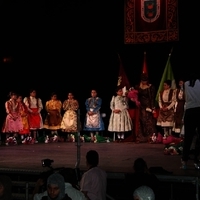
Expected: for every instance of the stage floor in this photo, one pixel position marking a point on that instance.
(114, 157)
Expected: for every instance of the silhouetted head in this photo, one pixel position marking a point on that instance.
(144, 77)
(92, 158)
(140, 165)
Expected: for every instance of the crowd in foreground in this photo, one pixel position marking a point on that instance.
(64, 185)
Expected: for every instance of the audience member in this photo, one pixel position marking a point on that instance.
(141, 176)
(5, 188)
(55, 189)
(94, 181)
(143, 193)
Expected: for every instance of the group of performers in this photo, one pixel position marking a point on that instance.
(132, 111)
(24, 119)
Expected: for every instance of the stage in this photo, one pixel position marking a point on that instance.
(115, 158)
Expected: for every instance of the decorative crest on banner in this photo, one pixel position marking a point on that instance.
(150, 10)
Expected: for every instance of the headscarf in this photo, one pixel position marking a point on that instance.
(6, 182)
(57, 179)
(144, 193)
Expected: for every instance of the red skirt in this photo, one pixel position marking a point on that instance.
(34, 119)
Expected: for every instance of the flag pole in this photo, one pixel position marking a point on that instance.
(171, 51)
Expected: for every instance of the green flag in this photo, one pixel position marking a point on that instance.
(167, 75)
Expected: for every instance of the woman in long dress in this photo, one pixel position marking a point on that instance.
(53, 119)
(13, 124)
(120, 120)
(167, 100)
(69, 123)
(146, 97)
(24, 118)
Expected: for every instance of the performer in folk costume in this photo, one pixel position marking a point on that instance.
(13, 124)
(93, 120)
(34, 106)
(179, 108)
(167, 100)
(23, 110)
(53, 118)
(69, 120)
(146, 97)
(120, 121)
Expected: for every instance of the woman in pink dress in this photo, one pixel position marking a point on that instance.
(13, 124)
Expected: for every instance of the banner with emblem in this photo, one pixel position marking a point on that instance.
(150, 21)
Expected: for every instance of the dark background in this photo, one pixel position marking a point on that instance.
(72, 45)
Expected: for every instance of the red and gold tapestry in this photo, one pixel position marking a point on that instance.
(150, 21)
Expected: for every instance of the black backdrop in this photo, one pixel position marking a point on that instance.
(70, 45)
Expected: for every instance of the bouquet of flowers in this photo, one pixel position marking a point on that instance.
(133, 96)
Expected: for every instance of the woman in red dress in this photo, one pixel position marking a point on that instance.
(34, 106)
(23, 110)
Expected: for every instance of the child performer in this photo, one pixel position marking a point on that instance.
(93, 119)
(34, 106)
(23, 110)
(53, 118)
(120, 121)
(69, 120)
(13, 123)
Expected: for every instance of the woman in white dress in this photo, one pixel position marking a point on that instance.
(120, 121)
(69, 121)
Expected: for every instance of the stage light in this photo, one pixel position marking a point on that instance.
(47, 162)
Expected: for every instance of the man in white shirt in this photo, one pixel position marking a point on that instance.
(191, 119)
(94, 181)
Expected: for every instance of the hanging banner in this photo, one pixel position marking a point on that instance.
(150, 21)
